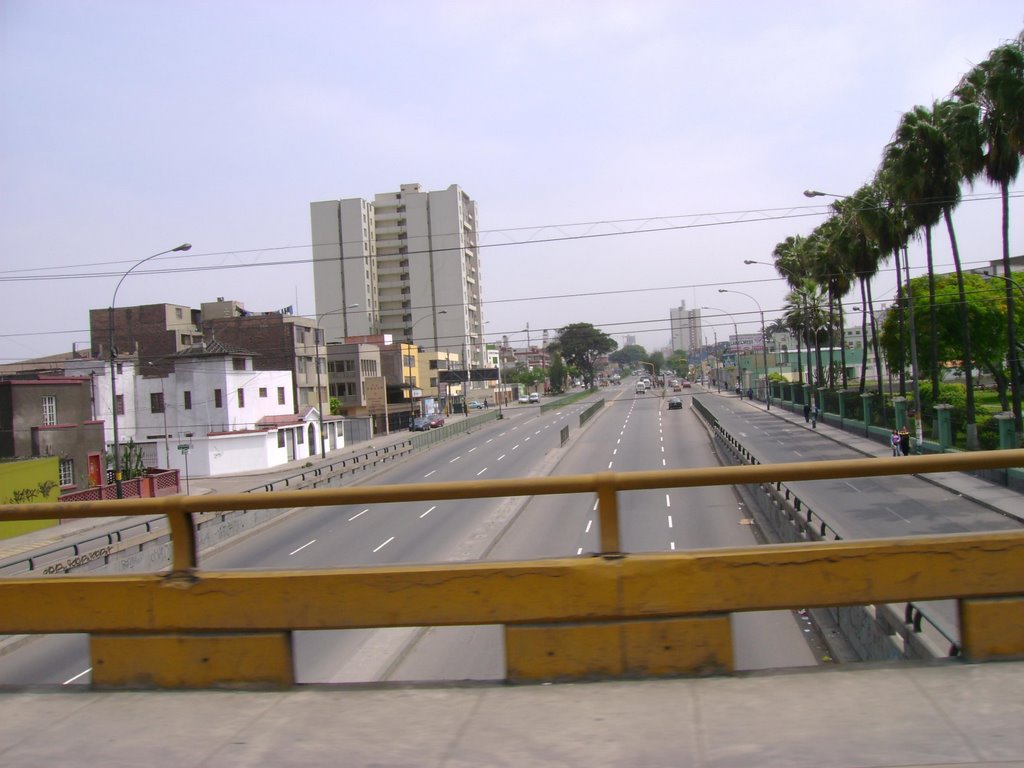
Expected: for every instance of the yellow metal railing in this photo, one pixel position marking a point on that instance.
(613, 615)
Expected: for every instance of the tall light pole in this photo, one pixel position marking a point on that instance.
(319, 391)
(803, 307)
(736, 335)
(764, 346)
(113, 362)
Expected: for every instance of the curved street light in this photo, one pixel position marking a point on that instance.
(113, 362)
(764, 346)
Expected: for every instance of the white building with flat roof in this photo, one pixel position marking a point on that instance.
(686, 329)
(406, 264)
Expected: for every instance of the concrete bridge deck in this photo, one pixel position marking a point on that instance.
(950, 714)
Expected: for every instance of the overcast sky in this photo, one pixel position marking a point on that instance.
(624, 156)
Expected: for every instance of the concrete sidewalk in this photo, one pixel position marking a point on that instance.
(869, 717)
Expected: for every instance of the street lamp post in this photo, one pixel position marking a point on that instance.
(113, 363)
(764, 346)
(803, 307)
(319, 391)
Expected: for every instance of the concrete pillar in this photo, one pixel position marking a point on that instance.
(943, 414)
(866, 405)
(1007, 438)
(899, 404)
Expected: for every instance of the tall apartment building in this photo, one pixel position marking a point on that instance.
(686, 329)
(407, 265)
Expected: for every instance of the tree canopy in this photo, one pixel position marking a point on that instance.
(581, 345)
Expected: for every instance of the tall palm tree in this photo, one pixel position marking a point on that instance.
(789, 257)
(864, 258)
(933, 152)
(960, 122)
(830, 266)
(996, 86)
(885, 221)
(904, 165)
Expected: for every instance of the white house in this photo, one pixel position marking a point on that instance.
(214, 414)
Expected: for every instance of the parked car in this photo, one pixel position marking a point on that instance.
(421, 424)
(436, 420)
(534, 397)
(674, 403)
(476, 404)
(524, 399)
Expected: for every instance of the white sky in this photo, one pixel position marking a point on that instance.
(130, 126)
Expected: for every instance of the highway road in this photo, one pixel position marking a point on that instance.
(633, 432)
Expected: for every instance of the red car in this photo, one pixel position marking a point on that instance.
(436, 420)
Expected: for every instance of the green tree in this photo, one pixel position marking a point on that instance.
(628, 356)
(581, 345)
(985, 309)
(679, 362)
(996, 86)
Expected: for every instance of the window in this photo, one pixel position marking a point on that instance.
(188, 400)
(67, 472)
(280, 438)
(298, 436)
(218, 399)
(238, 363)
(263, 392)
(241, 398)
(119, 408)
(177, 313)
(280, 395)
(49, 409)
(156, 402)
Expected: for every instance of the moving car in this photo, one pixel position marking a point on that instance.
(674, 403)
(523, 399)
(476, 404)
(686, 383)
(436, 420)
(534, 397)
(640, 388)
(421, 424)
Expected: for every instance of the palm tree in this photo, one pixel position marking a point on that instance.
(932, 153)
(864, 257)
(831, 268)
(789, 256)
(996, 86)
(885, 221)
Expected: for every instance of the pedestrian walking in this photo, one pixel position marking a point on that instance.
(750, 393)
(894, 441)
(807, 413)
(814, 415)
(905, 441)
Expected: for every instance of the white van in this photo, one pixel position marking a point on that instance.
(640, 388)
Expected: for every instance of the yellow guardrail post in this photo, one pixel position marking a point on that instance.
(608, 513)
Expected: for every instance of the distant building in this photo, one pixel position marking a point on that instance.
(406, 265)
(686, 329)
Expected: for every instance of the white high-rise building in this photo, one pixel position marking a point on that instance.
(406, 264)
(686, 329)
